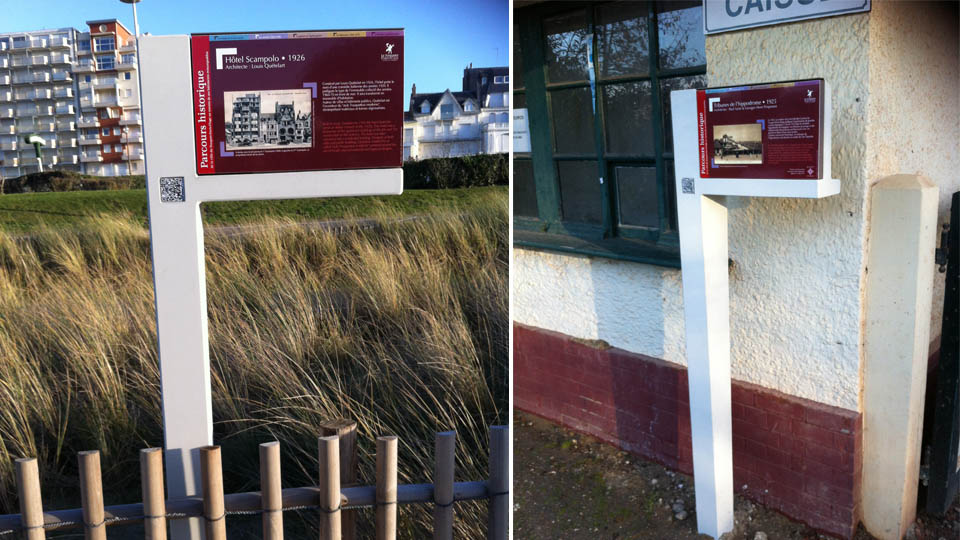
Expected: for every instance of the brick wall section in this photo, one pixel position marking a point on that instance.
(796, 456)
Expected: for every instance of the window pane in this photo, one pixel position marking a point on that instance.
(667, 86)
(524, 189)
(580, 193)
(637, 196)
(572, 121)
(680, 30)
(622, 39)
(566, 46)
(627, 113)
(517, 59)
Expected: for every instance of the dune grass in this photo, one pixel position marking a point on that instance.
(402, 327)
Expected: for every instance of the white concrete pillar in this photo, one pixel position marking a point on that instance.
(899, 282)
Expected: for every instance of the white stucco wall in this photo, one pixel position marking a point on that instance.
(796, 287)
(914, 74)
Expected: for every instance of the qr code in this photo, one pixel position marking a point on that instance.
(171, 189)
(687, 185)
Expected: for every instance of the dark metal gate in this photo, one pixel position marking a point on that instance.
(944, 471)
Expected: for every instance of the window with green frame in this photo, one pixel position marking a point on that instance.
(595, 78)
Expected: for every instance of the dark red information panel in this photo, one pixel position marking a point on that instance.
(763, 131)
(298, 101)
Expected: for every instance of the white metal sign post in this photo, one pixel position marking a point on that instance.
(176, 234)
(702, 218)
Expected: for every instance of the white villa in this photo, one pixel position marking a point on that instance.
(472, 121)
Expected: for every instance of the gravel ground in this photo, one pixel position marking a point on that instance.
(572, 486)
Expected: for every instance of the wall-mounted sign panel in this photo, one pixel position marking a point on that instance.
(298, 101)
(762, 131)
(728, 15)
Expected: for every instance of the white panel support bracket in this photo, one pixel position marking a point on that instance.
(702, 219)
(176, 236)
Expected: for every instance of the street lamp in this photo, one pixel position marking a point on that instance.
(136, 26)
(37, 142)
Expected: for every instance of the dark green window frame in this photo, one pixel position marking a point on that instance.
(609, 238)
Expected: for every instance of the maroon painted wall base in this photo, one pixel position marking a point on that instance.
(797, 456)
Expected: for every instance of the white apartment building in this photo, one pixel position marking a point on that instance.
(472, 121)
(77, 90)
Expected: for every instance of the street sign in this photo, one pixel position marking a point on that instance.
(704, 256)
(177, 183)
(728, 15)
(762, 131)
(297, 101)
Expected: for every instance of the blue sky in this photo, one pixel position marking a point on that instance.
(441, 36)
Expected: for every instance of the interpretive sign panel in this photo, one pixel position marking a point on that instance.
(298, 101)
(521, 131)
(762, 131)
(728, 15)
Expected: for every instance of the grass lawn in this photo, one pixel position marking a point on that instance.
(28, 211)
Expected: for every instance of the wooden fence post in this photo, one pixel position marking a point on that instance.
(387, 488)
(347, 431)
(499, 485)
(213, 511)
(271, 496)
(31, 506)
(445, 456)
(329, 453)
(151, 486)
(91, 495)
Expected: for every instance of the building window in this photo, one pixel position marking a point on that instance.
(117, 148)
(106, 61)
(468, 106)
(497, 79)
(425, 107)
(104, 44)
(128, 59)
(106, 131)
(126, 76)
(446, 110)
(83, 45)
(596, 83)
(483, 81)
(104, 113)
(86, 78)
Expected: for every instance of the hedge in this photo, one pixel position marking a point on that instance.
(70, 181)
(456, 172)
(436, 173)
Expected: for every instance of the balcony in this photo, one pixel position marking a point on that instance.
(59, 42)
(87, 139)
(72, 159)
(4, 79)
(131, 155)
(87, 122)
(128, 65)
(63, 92)
(91, 158)
(68, 143)
(36, 94)
(62, 76)
(8, 130)
(7, 112)
(46, 127)
(39, 60)
(64, 125)
(6, 95)
(8, 146)
(65, 109)
(4, 63)
(130, 120)
(105, 82)
(105, 101)
(85, 67)
(50, 160)
(40, 77)
(11, 162)
(37, 43)
(45, 110)
(20, 61)
(60, 59)
(131, 138)
(129, 47)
